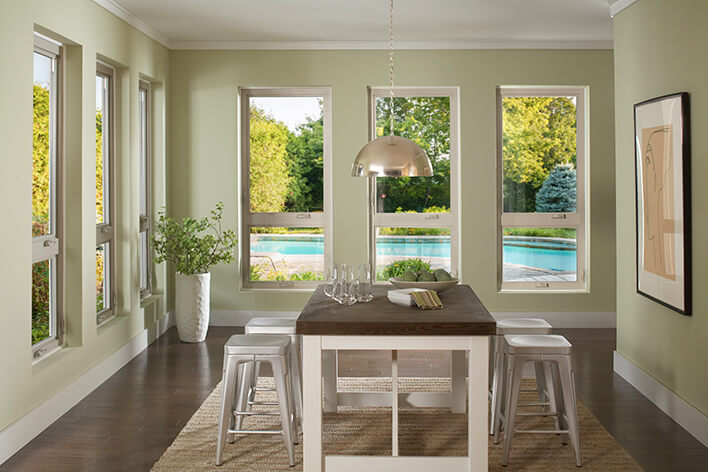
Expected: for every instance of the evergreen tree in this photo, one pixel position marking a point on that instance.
(558, 192)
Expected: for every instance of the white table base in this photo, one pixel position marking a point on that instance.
(477, 369)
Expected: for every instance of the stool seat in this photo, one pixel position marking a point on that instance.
(257, 344)
(536, 344)
(523, 326)
(271, 326)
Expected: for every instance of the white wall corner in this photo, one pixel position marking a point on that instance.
(571, 319)
(617, 6)
(18, 434)
(688, 417)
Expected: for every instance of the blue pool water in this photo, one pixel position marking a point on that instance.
(549, 256)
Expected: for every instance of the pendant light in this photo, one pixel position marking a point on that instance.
(391, 156)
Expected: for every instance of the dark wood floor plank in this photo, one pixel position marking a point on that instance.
(128, 422)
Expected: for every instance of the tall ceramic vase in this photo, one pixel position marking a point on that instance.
(192, 306)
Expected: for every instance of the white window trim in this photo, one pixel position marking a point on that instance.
(105, 232)
(50, 247)
(289, 219)
(145, 222)
(578, 219)
(420, 220)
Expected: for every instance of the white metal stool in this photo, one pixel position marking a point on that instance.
(277, 326)
(513, 326)
(555, 352)
(244, 349)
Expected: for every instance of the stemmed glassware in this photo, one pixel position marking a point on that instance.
(348, 284)
(330, 279)
(364, 286)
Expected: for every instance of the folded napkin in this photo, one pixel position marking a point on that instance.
(427, 299)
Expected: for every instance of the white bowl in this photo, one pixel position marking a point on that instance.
(438, 286)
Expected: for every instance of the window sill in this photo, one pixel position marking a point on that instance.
(539, 291)
(107, 324)
(46, 355)
(279, 289)
(149, 299)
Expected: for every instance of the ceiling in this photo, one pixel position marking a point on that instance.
(364, 23)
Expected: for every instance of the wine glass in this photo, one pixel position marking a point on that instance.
(330, 279)
(340, 284)
(353, 286)
(364, 293)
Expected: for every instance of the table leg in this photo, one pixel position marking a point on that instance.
(458, 373)
(329, 370)
(477, 421)
(312, 458)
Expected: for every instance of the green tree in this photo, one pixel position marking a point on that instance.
(269, 179)
(558, 192)
(305, 167)
(538, 134)
(426, 121)
(40, 159)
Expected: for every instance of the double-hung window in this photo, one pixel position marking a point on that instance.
(105, 190)
(541, 181)
(144, 104)
(47, 322)
(286, 204)
(415, 219)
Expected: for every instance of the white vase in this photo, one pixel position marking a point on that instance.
(192, 306)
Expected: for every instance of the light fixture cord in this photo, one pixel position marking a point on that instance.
(390, 58)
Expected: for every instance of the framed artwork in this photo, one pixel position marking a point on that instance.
(663, 198)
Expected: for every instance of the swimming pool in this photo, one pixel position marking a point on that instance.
(557, 256)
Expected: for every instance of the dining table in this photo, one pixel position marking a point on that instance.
(463, 325)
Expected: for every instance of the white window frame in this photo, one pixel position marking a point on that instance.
(419, 220)
(105, 232)
(284, 219)
(145, 224)
(576, 220)
(50, 247)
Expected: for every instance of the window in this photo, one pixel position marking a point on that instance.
(415, 218)
(105, 208)
(144, 105)
(47, 322)
(542, 154)
(286, 149)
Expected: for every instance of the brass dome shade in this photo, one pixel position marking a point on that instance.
(392, 156)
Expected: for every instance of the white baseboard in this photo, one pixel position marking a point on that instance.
(690, 419)
(18, 434)
(567, 319)
(241, 317)
(583, 319)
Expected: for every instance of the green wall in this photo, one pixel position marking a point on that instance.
(204, 159)
(660, 49)
(89, 31)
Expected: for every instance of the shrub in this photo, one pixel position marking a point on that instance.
(558, 192)
(398, 267)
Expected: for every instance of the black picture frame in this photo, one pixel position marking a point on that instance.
(663, 201)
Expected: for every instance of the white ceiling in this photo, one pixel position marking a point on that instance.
(364, 23)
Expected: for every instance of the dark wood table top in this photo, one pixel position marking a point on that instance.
(463, 314)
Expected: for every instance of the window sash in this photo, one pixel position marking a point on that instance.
(49, 246)
(576, 220)
(419, 220)
(105, 232)
(250, 219)
(145, 226)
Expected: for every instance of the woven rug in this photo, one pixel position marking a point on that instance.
(422, 431)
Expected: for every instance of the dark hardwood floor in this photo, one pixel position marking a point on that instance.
(128, 422)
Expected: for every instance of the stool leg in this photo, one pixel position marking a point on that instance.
(540, 383)
(293, 409)
(279, 370)
(227, 398)
(552, 393)
(560, 404)
(255, 373)
(296, 374)
(568, 386)
(512, 400)
(244, 387)
(500, 396)
(496, 380)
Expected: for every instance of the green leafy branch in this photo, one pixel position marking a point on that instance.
(194, 245)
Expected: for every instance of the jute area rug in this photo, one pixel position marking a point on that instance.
(422, 431)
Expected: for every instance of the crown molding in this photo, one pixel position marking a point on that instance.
(383, 45)
(135, 22)
(617, 6)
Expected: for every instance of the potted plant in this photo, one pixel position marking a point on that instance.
(194, 246)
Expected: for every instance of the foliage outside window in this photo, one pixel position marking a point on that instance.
(46, 232)
(414, 218)
(286, 137)
(542, 154)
